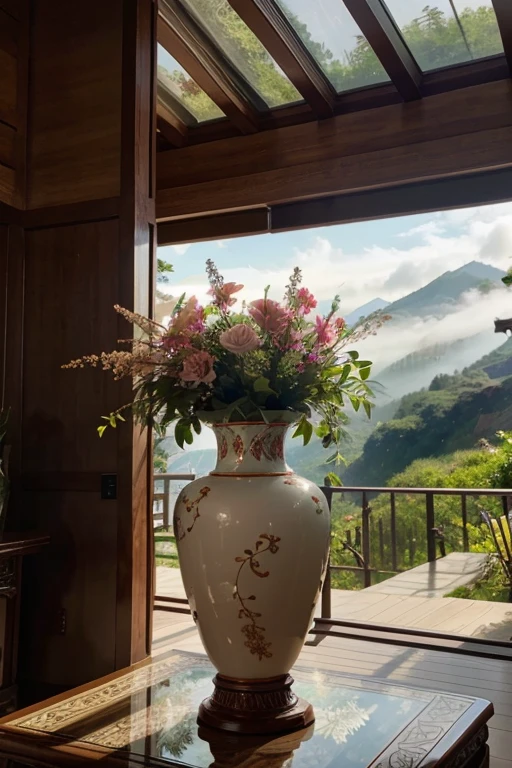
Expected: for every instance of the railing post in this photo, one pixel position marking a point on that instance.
(167, 489)
(394, 564)
(381, 543)
(366, 541)
(465, 538)
(326, 588)
(431, 536)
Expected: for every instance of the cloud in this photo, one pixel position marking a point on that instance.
(433, 227)
(181, 249)
(474, 314)
(221, 243)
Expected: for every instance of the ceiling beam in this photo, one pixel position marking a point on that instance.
(271, 27)
(503, 9)
(385, 38)
(188, 43)
(170, 126)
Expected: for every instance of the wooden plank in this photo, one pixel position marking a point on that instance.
(8, 88)
(385, 38)
(75, 111)
(137, 244)
(270, 25)
(503, 9)
(471, 110)
(22, 78)
(89, 210)
(224, 226)
(429, 160)
(12, 7)
(7, 145)
(7, 184)
(185, 40)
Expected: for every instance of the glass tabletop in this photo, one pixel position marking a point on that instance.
(152, 711)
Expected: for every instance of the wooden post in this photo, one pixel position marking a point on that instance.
(430, 523)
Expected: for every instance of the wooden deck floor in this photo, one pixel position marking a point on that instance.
(483, 678)
(476, 618)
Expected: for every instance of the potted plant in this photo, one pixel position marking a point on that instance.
(252, 537)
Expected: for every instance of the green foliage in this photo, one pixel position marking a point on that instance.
(429, 423)
(433, 37)
(163, 270)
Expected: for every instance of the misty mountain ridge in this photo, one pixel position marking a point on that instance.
(441, 295)
(375, 305)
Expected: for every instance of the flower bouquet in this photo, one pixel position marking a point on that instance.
(266, 361)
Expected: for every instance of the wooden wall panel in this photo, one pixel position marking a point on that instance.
(9, 38)
(77, 575)
(3, 305)
(75, 85)
(71, 286)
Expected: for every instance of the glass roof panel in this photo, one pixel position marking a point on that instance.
(447, 32)
(335, 41)
(176, 86)
(244, 51)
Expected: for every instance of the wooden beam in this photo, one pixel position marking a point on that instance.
(171, 126)
(198, 229)
(480, 108)
(428, 160)
(270, 25)
(385, 38)
(446, 194)
(503, 9)
(184, 39)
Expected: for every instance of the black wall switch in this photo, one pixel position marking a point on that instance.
(109, 487)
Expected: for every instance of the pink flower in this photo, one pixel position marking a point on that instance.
(270, 315)
(340, 324)
(324, 331)
(240, 339)
(198, 368)
(306, 301)
(223, 294)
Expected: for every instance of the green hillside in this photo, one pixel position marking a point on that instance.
(453, 414)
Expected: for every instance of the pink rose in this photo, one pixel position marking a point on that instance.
(306, 301)
(223, 294)
(324, 331)
(198, 368)
(240, 339)
(270, 315)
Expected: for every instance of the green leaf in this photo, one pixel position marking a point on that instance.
(333, 480)
(368, 408)
(120, 418)
(180, 430)
(112, 420)
(101, 429)
(197, 425)
(355, 402)
(262, 384)
(304, 428)
(507, 280)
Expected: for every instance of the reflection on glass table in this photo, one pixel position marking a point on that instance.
(152, 711)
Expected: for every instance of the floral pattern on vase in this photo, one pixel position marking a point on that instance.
(253, 593)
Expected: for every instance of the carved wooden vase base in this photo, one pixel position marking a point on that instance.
(255, 706)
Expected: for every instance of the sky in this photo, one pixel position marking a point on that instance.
(386, 259)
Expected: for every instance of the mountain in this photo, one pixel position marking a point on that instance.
(367, 309)
(441, 295)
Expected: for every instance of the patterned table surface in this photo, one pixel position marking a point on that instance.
(148, 715)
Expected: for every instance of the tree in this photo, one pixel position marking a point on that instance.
(434, 38)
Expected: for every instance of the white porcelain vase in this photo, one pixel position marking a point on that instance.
(253, 540)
